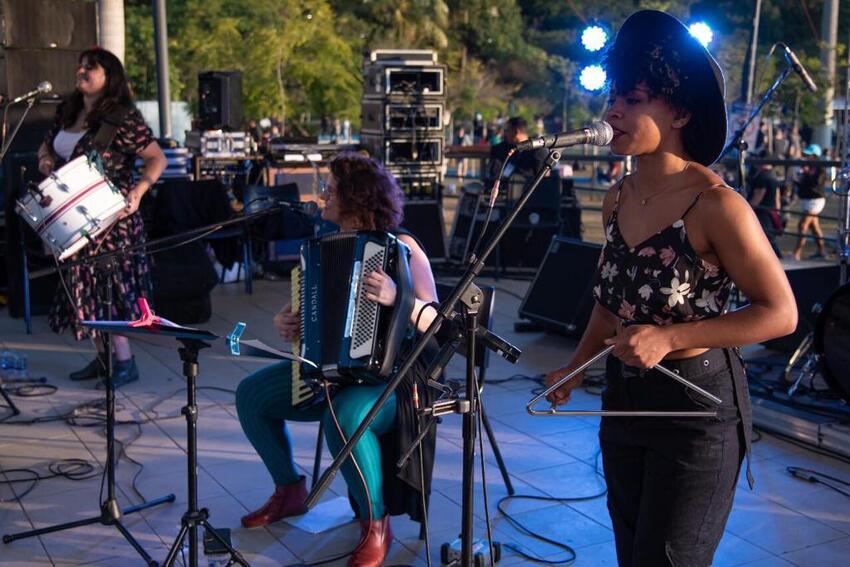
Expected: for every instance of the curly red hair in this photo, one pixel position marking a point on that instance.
(367, 192)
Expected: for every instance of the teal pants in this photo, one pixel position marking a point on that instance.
(264, 405)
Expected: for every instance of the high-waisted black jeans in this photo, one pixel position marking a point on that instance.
(671, 481)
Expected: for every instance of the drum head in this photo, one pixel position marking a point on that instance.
(832, 341)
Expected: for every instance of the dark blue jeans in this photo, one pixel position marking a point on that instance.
(671, 481)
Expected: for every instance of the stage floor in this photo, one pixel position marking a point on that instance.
(784, 521)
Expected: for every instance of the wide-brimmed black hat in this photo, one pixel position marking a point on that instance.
(705, 133)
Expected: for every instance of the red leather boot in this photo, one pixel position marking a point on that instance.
(287, 500)
(375, 540)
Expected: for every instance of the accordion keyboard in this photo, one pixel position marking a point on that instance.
(301, 391)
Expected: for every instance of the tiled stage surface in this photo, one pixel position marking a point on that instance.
(784, 521)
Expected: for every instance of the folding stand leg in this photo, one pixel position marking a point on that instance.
(495, 446)
(9, 402)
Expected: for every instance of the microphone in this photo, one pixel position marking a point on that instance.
(43, 88)
(791, 57)
(596, 134)
(309, 208)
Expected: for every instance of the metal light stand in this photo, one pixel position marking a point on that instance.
(444, 313)
(110, 513)
(194, 517)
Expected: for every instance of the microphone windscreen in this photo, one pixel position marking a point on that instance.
(602, 133)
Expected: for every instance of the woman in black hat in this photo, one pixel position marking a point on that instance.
(677, 239)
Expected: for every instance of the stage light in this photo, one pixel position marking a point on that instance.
(702, 32)
(594, 37)
(592, 77)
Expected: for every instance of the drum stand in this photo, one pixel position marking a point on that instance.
(193, 516)
(110, 513)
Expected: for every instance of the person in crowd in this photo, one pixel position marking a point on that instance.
(765, 197)
(526, 164)
(677, 239)
(102, 97)
(809, 187)
(360, 195)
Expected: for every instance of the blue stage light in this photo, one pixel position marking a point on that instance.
(702, 32)
(594, 37)
(592, 77)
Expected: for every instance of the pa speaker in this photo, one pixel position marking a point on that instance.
(425, 220)
(220, 100)
(560, 299)
(811, 285)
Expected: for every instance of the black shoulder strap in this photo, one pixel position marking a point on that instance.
(109, 127)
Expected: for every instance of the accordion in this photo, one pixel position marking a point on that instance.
(349, 338)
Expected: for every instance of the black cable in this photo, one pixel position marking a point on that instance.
(525, 530)
(72, 469)
(814, 476)
(491, 205)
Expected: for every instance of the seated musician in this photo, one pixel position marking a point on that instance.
(360, 195)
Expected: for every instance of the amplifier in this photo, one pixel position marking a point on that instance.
(425, 220)
(285, 153)
(560, 297)
(811, 284)
(379, 117)
(216, 143)
(419, 186)
(405, 151)
(424, 81)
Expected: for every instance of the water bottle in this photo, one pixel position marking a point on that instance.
(13, 364)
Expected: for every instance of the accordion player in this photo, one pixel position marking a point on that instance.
(349, 338)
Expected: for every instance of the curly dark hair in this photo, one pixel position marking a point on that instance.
(367, 192)
(671, 68)
(116, 91)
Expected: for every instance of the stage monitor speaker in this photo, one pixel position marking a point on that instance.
(810, 285)
(560, 299)
(425, 220)
(220, 100)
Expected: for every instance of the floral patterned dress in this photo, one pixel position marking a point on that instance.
(660, 281)
(129, 274)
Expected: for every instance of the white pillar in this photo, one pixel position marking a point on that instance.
(111, 26)
(829, 44)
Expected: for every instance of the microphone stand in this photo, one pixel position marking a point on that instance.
(470, 408)
(737, 140)
(8, 143)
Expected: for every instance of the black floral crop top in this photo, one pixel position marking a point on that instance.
(660, 281)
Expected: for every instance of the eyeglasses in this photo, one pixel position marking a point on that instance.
(323, 188)
(87, 66)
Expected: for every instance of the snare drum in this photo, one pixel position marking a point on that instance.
(72, 206)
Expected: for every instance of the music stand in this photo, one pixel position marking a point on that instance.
(110, 513)
(193, 340)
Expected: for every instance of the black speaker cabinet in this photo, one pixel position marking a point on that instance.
(560, 299)
(220, 100)
(425, 220)
(810, 285)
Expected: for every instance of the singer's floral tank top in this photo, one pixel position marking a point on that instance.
(660, 281)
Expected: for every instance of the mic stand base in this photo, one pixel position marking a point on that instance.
(110, 512)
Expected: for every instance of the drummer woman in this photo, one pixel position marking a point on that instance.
(677, 239)
(102, 96)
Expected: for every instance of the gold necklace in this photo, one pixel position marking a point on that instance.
(645, 200)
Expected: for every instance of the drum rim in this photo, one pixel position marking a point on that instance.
(817, 344)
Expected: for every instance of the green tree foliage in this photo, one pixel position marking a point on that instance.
(303, 58)
(293, 61)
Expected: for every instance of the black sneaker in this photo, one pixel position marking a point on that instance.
(93, 369)
(123, 372)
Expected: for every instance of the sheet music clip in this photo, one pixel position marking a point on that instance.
(253, 347)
